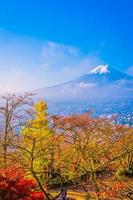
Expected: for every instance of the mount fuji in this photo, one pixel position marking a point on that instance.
(100, 83)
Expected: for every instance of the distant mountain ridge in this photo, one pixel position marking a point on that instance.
(101, 82)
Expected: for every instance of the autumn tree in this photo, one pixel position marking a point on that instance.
(35, 151)
(92, 145)
(14, 111)
(57, 150)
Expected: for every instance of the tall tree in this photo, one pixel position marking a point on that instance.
(14, 111)
(36, 148)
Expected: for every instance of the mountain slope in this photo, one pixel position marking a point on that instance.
(103, 75)
(102, 82)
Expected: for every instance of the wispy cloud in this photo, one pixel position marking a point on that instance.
(130, 70)
(27, 63)
(64, 62)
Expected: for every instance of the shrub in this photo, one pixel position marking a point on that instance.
(14, 185)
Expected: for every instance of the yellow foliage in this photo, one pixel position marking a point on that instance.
(36, 139)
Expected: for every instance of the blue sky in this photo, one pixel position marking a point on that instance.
(44, 42)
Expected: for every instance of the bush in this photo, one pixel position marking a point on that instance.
(13, 185)
(120, 173)
(129, 172)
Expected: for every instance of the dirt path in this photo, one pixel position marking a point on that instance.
(76, 195)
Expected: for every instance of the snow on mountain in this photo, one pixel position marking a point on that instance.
(101, 69)
(101, 82)
(103, 75)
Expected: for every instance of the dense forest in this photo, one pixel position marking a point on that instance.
(45, 157)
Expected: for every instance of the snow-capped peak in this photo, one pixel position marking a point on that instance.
(101, 69)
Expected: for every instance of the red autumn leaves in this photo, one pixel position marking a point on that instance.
(14, 186)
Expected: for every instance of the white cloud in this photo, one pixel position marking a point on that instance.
(26, 63)
(62, 62)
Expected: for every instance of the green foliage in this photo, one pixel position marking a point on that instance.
(129, 172)
(87, 196)
(123, 173)
(120, 173)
